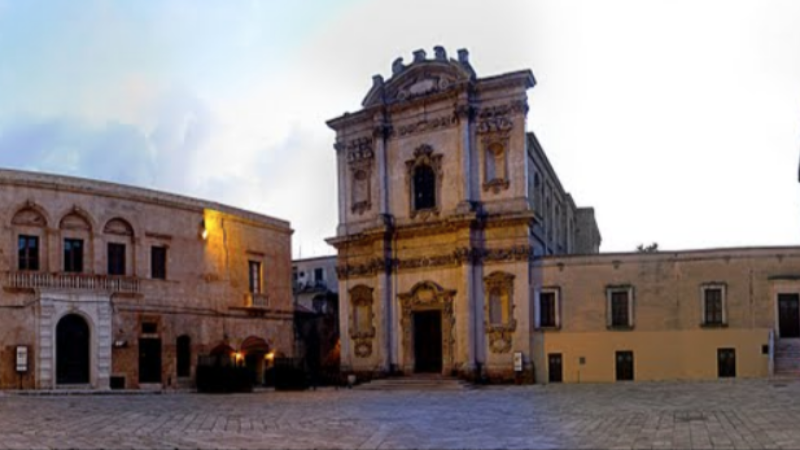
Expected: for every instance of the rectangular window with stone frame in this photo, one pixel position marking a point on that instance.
(255, 277)
(73, 255)
(549, 308)
(712, 298)
(116, 258)
(619, 307)
(28, 253)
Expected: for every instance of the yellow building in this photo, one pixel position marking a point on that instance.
(699, 314)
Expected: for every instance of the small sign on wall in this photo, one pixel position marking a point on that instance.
(22, 358)
(517, 361)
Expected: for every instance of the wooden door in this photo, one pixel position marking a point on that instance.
(428, 341)
(72, 350)
(789, 315)
(625, 366)
(555, 372)
(726, 363)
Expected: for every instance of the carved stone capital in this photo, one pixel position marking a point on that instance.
(466, 111)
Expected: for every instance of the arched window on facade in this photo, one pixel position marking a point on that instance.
(119, 246)
(424, 187)
(30, 227)
(76, 235)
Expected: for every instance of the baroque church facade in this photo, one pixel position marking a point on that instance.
(460, 253)
(445, 199)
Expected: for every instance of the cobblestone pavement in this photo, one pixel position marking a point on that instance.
(739, 414)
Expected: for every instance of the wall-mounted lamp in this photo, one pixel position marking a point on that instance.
(203, 230)
(269, 356)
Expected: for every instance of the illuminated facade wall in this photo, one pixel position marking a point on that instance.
(149, 280)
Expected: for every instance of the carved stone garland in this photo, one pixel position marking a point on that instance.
(361, 298)
(424, 155)
(428, 296)
(500, 335)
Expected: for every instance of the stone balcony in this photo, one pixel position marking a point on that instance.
(73, 282)
(253, 300)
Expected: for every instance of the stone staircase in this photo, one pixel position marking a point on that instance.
(416, 383)
(787, 358)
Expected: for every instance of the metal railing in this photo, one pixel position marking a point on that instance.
(72, 281)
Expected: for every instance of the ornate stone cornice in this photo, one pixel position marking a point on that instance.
(514, 107)
(459, 256)
(358, 149)
(426, 125)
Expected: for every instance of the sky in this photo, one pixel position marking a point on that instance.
(678, 121)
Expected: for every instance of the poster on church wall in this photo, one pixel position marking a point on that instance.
(22, 358)
(518, 361)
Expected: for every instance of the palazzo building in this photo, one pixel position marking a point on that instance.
(460, 253)
(114, 286)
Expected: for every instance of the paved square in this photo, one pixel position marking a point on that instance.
(737, 414)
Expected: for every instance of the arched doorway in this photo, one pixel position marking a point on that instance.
(72, 350)
(254, 348)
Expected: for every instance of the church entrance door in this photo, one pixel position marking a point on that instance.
(72, 350)
(428, 341)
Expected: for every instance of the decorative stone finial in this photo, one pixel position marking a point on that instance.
(463, 56)
(419, 55)
(397, 66)
(377, 80)
(441, 54)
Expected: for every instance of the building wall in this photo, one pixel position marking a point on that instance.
(668, 337)
(205, 294)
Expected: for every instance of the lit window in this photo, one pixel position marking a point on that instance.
(255, 277)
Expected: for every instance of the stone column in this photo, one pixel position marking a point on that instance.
(345, 349)
(380, 134)
(466, 115)
(341, 167)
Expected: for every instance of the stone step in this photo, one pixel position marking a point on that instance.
(415, 383)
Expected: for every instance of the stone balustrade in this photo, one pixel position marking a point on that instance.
(72, 281)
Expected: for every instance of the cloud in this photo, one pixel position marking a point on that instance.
(114, 152)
